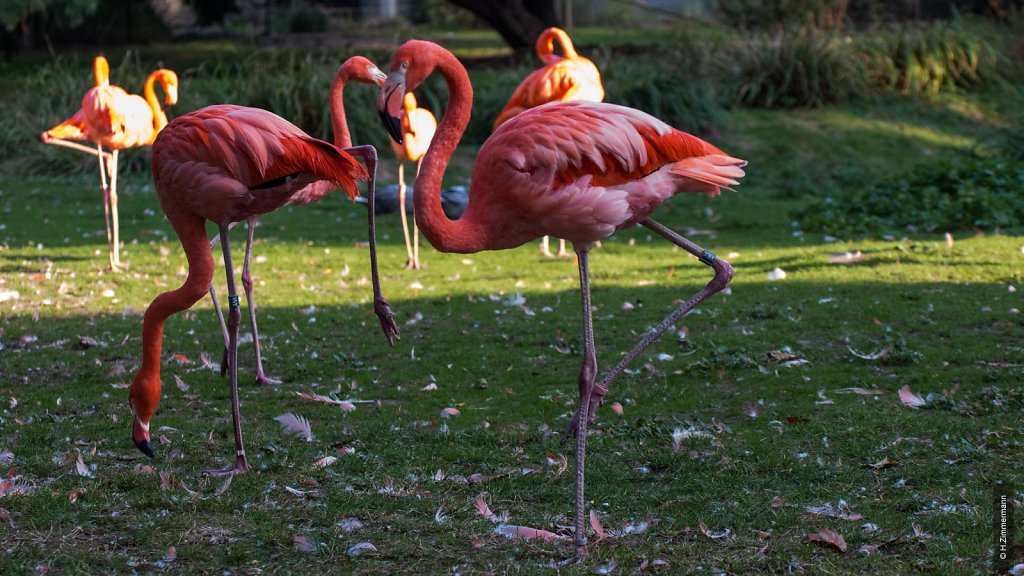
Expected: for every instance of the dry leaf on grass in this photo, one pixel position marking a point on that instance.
(829, 538)
(834, 511)
(595, 525)
(874, 355)
(616, 407)
(527, 533)
(180, 383)
(325, 462)
(449, 412)
(358, 549)
(304, 544)
(713, 535)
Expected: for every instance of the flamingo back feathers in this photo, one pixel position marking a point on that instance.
(224, 154)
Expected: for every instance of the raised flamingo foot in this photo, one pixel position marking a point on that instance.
(387, 319)
(241, 467)
(596, 399)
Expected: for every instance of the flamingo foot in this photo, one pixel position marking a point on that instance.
(387, 319)
(241, 467)
(413, 265)
(596, 399)
(547, 253)
(263, 379)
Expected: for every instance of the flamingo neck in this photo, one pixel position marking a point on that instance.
(342, 137)
(101, 71)
(461, 236)
(149, 93)
(546, 45)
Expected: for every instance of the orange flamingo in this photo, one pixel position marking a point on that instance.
(111, 117)
(226, 164)
(356, 68)
(418, 127)
(74, 128)
(562, 79)
(575, 170)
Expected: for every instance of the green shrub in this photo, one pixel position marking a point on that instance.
(793, 69)
(943, 196)
(929, 58)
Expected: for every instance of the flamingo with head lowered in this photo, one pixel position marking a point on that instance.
(226, 164)
(576, 170)
(562, 79)
(359, 69)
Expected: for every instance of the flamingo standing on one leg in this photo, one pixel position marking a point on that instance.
(418, 127)
(226, 164)
(563, 78)
(575, 170)
(118, 120)
(74, 128)
(356, 68)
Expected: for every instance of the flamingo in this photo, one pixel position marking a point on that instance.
(111, 117)
(418, 127)
(575, 170)
(74, 128)
(562, 79)
(227, 163)
(356, 68)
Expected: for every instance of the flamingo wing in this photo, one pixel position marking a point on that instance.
(236, 162)
(587, 169)
(71, 129)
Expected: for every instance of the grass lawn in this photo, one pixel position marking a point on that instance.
(771, 415)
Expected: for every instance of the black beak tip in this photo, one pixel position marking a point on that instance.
(145, 447)
(392, 125)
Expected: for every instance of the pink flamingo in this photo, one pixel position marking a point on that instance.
(418, 127)
(575, 170)
(562, 79)
(226, 164)
(356, 68)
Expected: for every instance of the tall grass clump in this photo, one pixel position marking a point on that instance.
(793, 68)
(930, 58)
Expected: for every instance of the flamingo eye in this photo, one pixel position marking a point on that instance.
(405, 65)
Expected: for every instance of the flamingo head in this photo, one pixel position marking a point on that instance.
(140, 431)
(411, 64)
(362, 69)
(170, 84)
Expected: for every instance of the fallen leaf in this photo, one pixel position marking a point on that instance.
(449, 412)
(779, 355)
(776, 274)
(616, 407)
(80, 466)
(224, 487)
(350, 524)
(883, 463)
(845, 257)
(874, 355)
(357, 549)
(868, 549)
(303, 544)
(829, 538)
(910, 399)
(180, 383)
(834, 511)
(525, 532)
(429, 387)
(297, 425)
(595, 525)
(75, 493)
(324, 462)
(857, 390)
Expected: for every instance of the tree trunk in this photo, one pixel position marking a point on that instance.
(518, 21)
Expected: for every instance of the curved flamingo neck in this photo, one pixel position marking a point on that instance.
(101, 71)
(546, 45)
(339, 122)
(446, 235)
(149, 93)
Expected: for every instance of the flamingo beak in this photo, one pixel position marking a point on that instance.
(140, 435)
(389, 104)
(171, 97)
(378, 75)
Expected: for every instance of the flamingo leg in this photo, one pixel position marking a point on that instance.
(106, 200)
(220, 313)
(261, 377)
(115, 264)
(410, 263)
(545, 247)
(415, 229)
(561, 248)
(234, 316)
(75, 146)
(380, 305)
(723, 274)
(588, 372)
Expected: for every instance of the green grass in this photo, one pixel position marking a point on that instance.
(947, 316)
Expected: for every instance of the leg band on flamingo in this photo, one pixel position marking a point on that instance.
(233, 301)
(708, 257)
